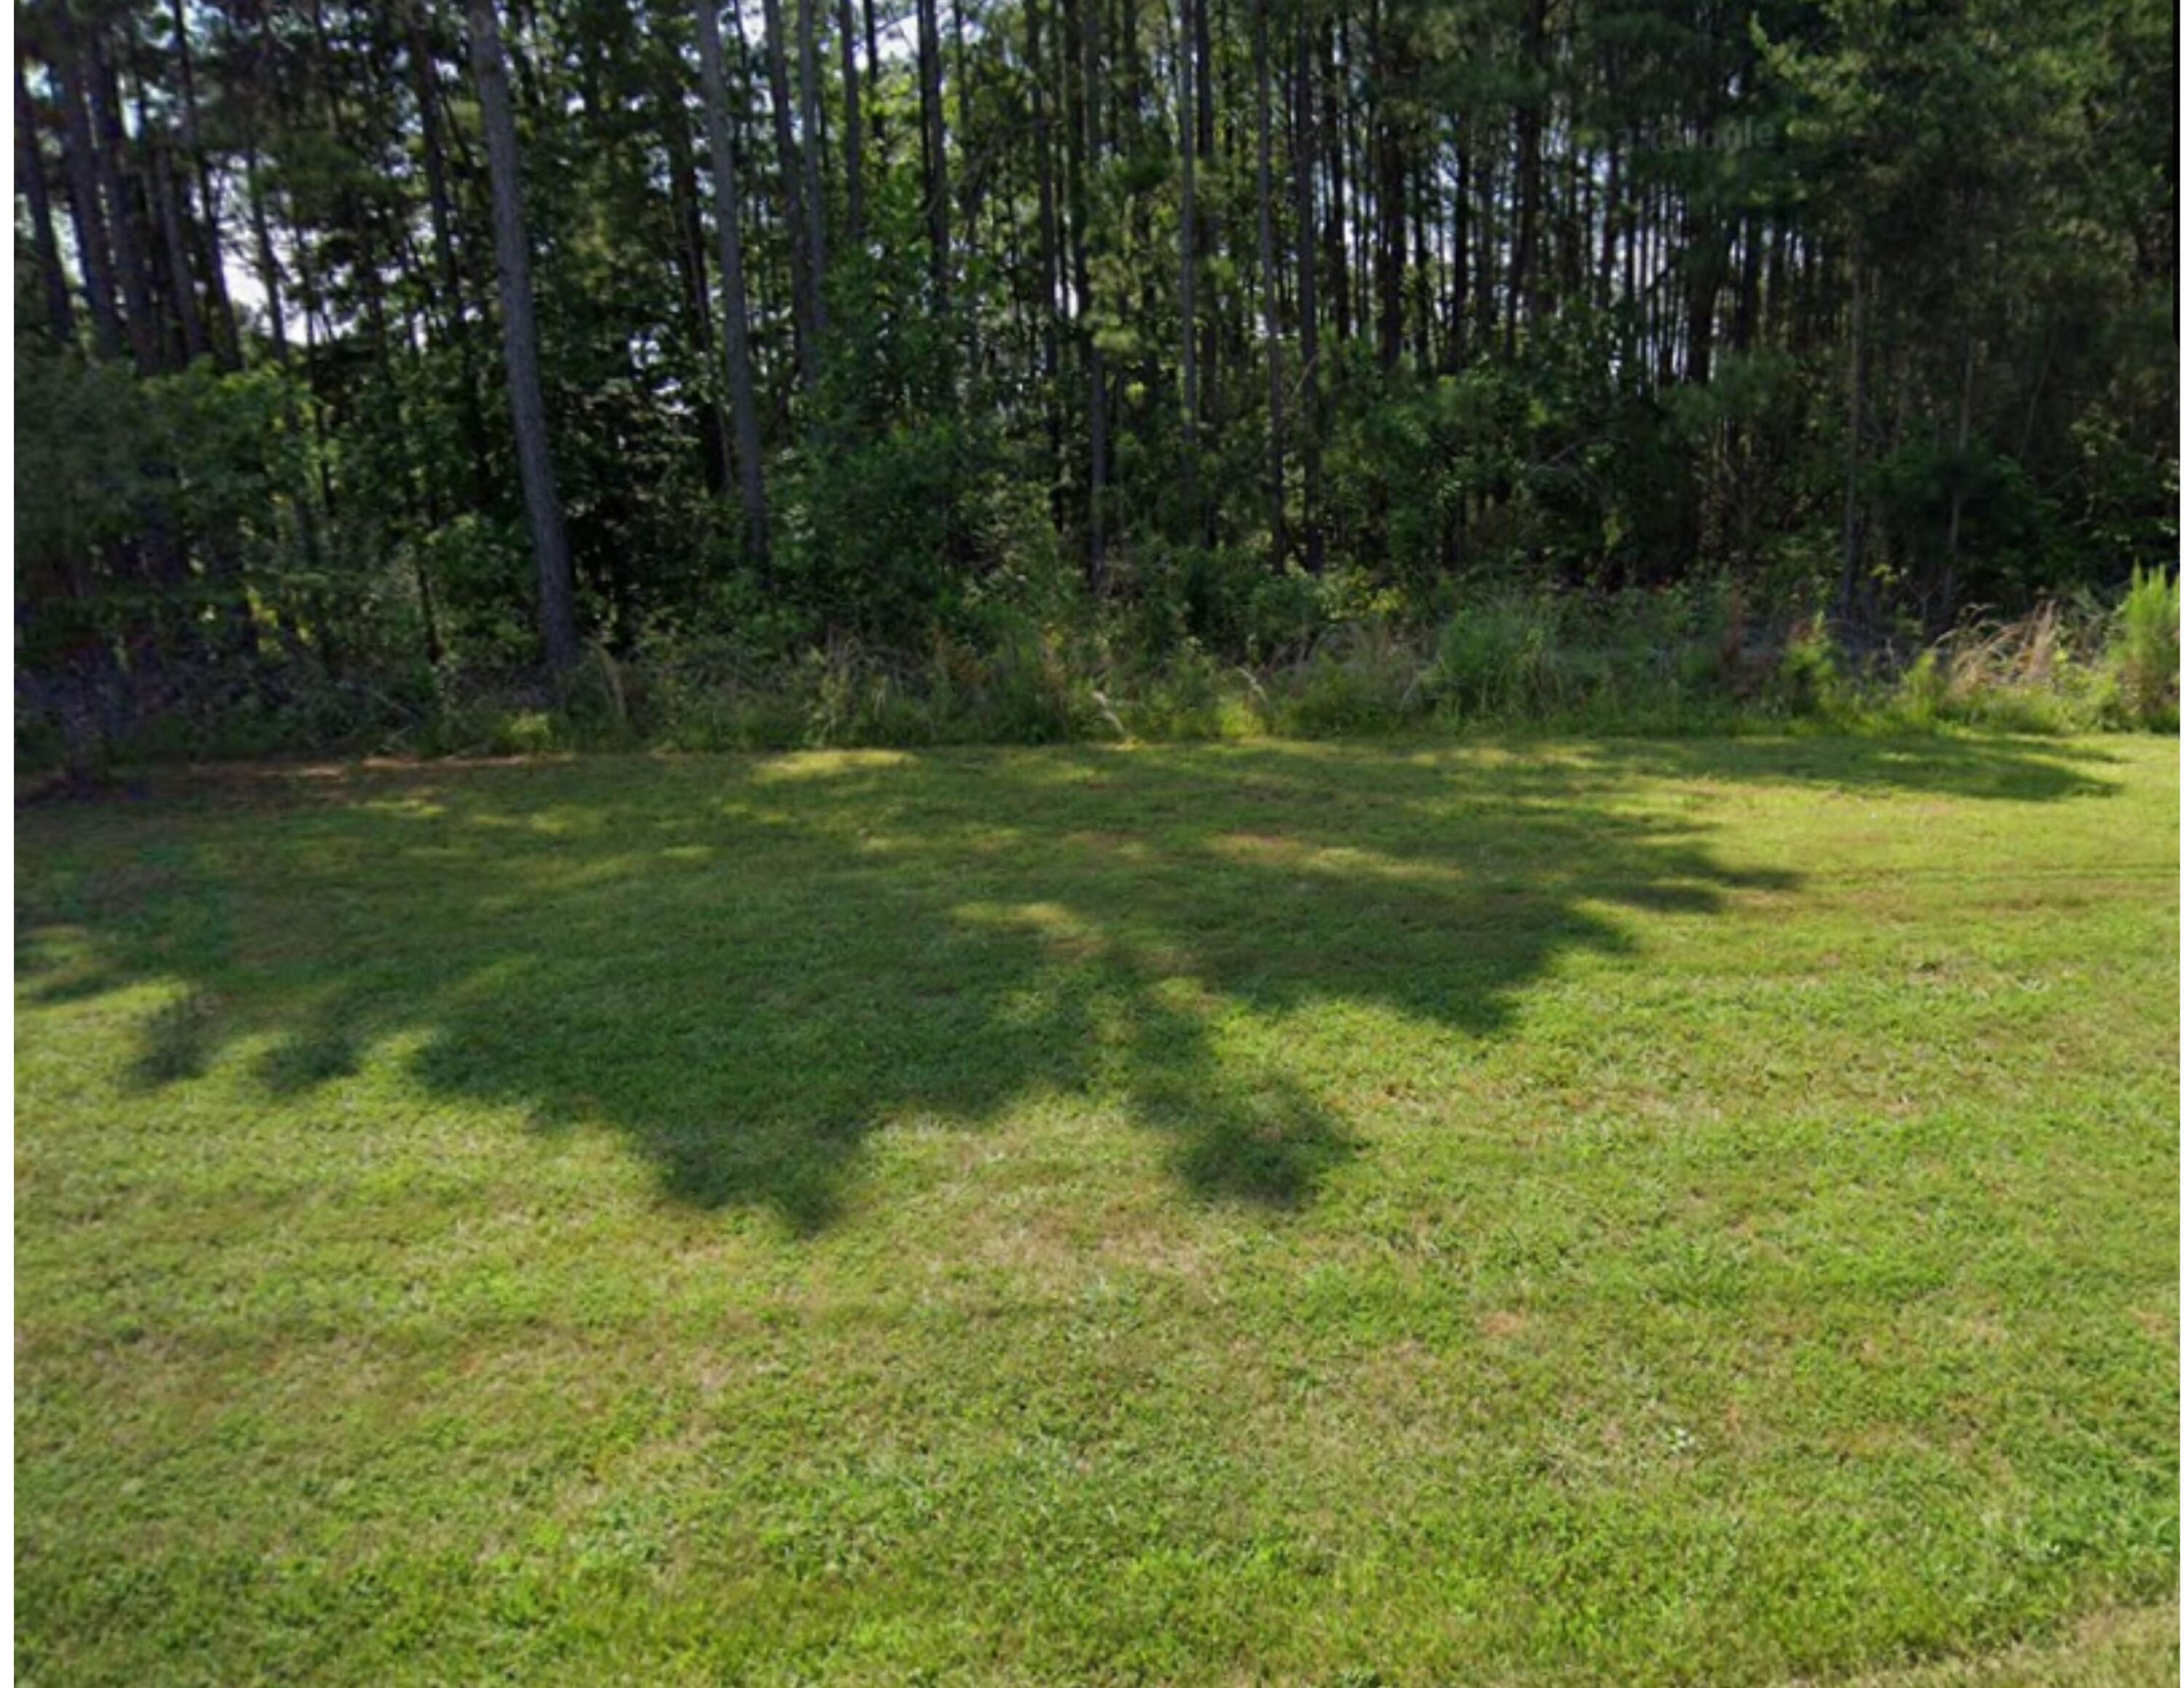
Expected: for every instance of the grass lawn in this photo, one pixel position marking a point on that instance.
(1694, 1212)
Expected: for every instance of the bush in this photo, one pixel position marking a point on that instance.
(2147, 657)
(1491, 659)
(1639, 661)
(1808, 680)
(1361, 678)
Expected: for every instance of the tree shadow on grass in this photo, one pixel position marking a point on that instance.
(744, 967)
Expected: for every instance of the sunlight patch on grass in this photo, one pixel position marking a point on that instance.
(1604, 1212)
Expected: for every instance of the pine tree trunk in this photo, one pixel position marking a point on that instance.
(1049, 260)
(94, 251)
(227, 342)
(1521, 258)
(1269, 301)
(815, 199)
(1080, 132)
(1187, 232)
(803, 295)
(130, 260)
(1303, 167)
(735, 319)
(182, 285)
(30, 182)
(934, 121)
(691, 270)
(1848, 584)
(852, 125)
(1389, 242)
(526, 398)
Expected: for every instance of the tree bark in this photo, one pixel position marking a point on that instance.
(853, 159)
(526, 399)
(735, 329)
(1081, 149)
(1270, 303)
(1850, 525)
(30, 182)
(691, 269)
(1302, 168)
(803, 291)
(227, 342)
(815, 199)
(933, 118)
(121, 211)
(182, 285)
(1050, 240)
(94, 253)
(1187, 230)
(1521, 258)
(1389, 243)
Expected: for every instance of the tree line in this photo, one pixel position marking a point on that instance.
(361, 336)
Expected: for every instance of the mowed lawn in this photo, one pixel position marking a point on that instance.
(1511, 1213)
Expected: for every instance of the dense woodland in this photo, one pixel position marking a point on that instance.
(374, 346)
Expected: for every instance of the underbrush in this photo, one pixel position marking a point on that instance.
(1682, 661)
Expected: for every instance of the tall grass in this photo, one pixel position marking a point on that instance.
(2146, 649)
(1687, 660)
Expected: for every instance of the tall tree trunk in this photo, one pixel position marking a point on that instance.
(1946, 608)
(30, 183)
(425, 79)
(1187, 232)
(93, 248)
(182, 285)
(1269, 299)
(130, 258)
(268, 264)
(691, 269)
(853, 159)
(1209, 354)
(934, 121)
(1081, 152)
(1421, 211)
(1333, 254)
(804, 298)
(1094, 79)
(454, 309)
(815, 199)
(1521, 258)
(1303, 168)
(1459, 257)
(969, 185)
(735, 329)
(1852, 432)
(526, 398)
(1049, 259)
(1389, 173)
(227, 342)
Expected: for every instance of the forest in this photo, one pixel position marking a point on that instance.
(421, 376)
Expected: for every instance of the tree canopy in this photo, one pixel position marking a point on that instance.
(396, 336)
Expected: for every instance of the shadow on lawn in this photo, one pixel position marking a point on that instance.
(745, 967)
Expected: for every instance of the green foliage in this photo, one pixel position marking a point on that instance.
(1809, 679)
(1548, 483)
(2148, 653)
(1492, 658)
(1682, 660)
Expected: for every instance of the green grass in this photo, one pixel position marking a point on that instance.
(1530, 1213)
